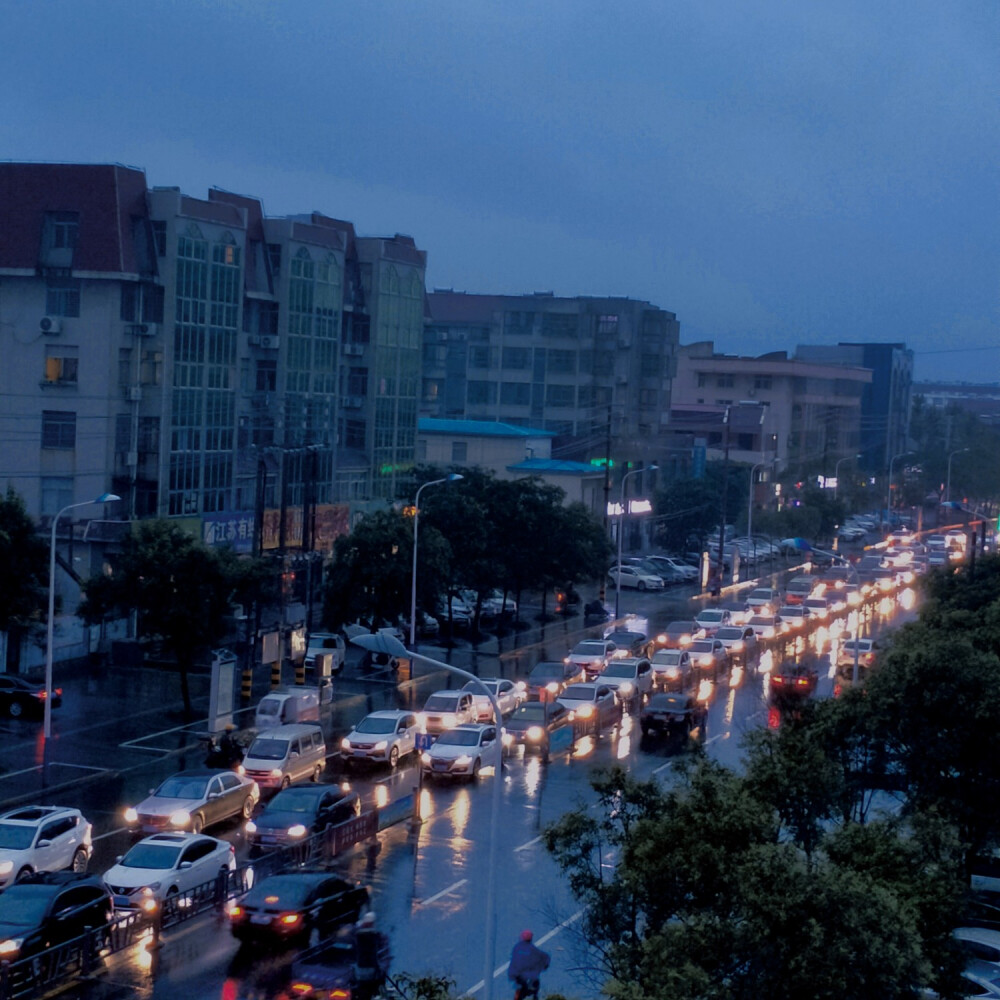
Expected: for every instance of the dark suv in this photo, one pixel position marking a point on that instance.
(45, 910)
(298, 812)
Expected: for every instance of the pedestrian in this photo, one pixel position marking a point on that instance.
(715, 582)
(371, 957)
(527, 963)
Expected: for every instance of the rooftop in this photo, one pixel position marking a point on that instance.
(478, 428)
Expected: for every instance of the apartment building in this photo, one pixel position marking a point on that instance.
(199, 358)
(578, 367)
(804, 415)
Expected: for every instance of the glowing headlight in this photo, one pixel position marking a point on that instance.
(508, 739)
(131, 815)
(381, 745)
(298, 830)
(585, 711)
(345, 744)
(425, 758)
(449, 720)
(11, 946)
(6, 867)
(685, 640)
(240, 769)
(672, 673)
(705, 660)
(275, 772)
(180, 818)
(251, 826)
(148, 905)
(464, 761)
(535, 733)
(737, 646)
(552, 687)
(521, 686)
(422, 720)
(661, 639)
(625, 688)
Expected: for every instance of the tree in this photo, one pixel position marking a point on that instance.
(689, 510)
(180, 589)
(24, 573)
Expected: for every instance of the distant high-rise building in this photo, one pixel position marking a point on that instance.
(573, 366)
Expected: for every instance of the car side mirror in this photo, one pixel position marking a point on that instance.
(185, 865)
(119, 858)
(293, 754)
(44, 843)
(213, 795)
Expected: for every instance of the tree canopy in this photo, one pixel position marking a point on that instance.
(23, 566)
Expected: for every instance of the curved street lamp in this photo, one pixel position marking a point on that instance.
(382, 642)
(836, 472)
(621, 525)
(416, 524)
(103, 498)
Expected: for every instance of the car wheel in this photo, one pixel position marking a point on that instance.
(16, 709)
(393, 756)
(197, 823)
(641, 585)
(248, 807)
(317, 773)
(645, 730)
(476, 765)
(79, 862)
(24, 873)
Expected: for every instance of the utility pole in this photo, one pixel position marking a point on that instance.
(725, 490)
(607, 495)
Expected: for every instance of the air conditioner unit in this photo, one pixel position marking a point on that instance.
(50, 324)
(145, 329)
(354, 349)
(270, 342)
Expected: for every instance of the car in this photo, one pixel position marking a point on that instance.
(460, 615)
(549, 677)
(193, 800)
(679, 571)
(836, 576)
(634, 577)
(671, 669)
(793, 681)
(537, 725)
(937, 543)
(298, 812)
(739, 614)
(865, 649)
(326, 643)
(332, 969)
(43, 839)
(708, 656)
(739, 640)
(22, 697)
(48, 909)
(595, 702)
(981, 944)
(296, 906)
(838, 599)
(447, 709)
(762, 599)
(818, 607)
(508, 694)
(165, 865)
(679, 635)
(499, 604)
(765, 626)
(794, 615)
(461, 752)
(592, 655)
(631, 677)
(387, 735)
(710, 620)
(937, 559)
(673, 715)
(799, 588)
(851, 533)
(628, 642)
(427, 626)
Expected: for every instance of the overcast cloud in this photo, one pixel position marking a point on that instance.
(774, 172)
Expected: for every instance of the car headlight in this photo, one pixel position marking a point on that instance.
(508, 739)
(241, 770)
(180, 818)
(661, 639)
(298, 830)
(449, 720)
(585, 711)
(425, 758)
(148, 890)
(11, 946)
(464, 761)
(672, 673)
(131, 815)
(275, 772)
(6, 867)
(625, 688)
(535, 733)
(737, 646)
(345, 744)
(251, 826)
(381, 745)
(521, 686)
(422, 720)
(705, 659)
(552, 687)
(685, 640)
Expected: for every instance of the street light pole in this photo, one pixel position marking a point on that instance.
(947, 489)
(888, 499)
(621, 525)
(416, 525)
(103, 498)
(385, 643)
(836, 473)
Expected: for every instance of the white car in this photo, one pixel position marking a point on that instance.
(598, 702)
(631, 677)
(635, 577)
(42, 839)
(740, 641)
(592, 655)
(509, 694)
(382, 736)
(167, 864)
(461, 752)
(679, 570)
(495, 604)
(447, 709)
(710, 620)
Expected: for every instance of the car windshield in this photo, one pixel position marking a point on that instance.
(589, 649)
(701, 647)
(376, 724)
(158, 856)
(24, 905)
(179, 787)
(476, 687)
(666, 703)
(284, 892)
(459, 738)
(16, 838)
(730, 633)
(577, 692)
(268, 749)
(710, 615)
(296, 800)
(791, 612)
(626, 638)
(668, 656)
(542, 673)
(762, 620)
(619, 669)
(761, 595)
(440, 703)
(530, 711)
(270, 706)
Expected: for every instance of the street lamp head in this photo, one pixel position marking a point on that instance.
(381, 642)
(652, 468)
(453, 476)
(107, 498)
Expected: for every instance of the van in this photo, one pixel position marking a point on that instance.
(282, 708)
(279, 756)
(326, 642)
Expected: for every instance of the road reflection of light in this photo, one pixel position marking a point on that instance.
(40, 747)
(381, 796)
(820, 638)
(766, 662)
(885, 606)
(585, 746)
(736, 677)
(705, 690)
(426, 805)
(836, 628)
(907, 599)
(767, 684)
(144, 958)
(852, 622)
(460, 812)
(532, 774)
(625, 728)
(730, 705)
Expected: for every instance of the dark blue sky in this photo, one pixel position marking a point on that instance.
(774, 172)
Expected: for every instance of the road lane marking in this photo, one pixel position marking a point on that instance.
(530, 843)
(663, 767)
(443, 892)
(111, 833)
(718, 736)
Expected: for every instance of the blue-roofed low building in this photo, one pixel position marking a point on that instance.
(581, 481)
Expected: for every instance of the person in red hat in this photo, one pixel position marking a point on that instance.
(527, 963)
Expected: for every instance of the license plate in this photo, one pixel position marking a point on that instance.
(122, 902)
(440, 765)
(260, 918)
(360, 753)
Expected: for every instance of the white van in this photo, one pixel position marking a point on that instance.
(279, 756)
(284, 707)
(326, 642)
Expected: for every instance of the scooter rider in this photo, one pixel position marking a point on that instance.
(527, 963)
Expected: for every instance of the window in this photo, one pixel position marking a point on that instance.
(57, 492)
(480, 393)
(58, 429)
(479, 357)
(607, 324)
(562, 362)
(724, 381)
(267, 376)
(459, 451)
(274, 258)
(515, 393)
(159, 237)
(61, 365)
(517, 358)
(354, 434)
(357, 382)
(62, 297)
(560, 395)
(64, 227)
(762, 382)
(702, 380)
(651, 365)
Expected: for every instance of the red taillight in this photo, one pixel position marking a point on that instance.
(290, 918)
(41, 695)
(778, 680)
(236, 911)
(802, 681)
(59, 692)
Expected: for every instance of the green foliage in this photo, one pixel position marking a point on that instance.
(688, 509)
(24, 573)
